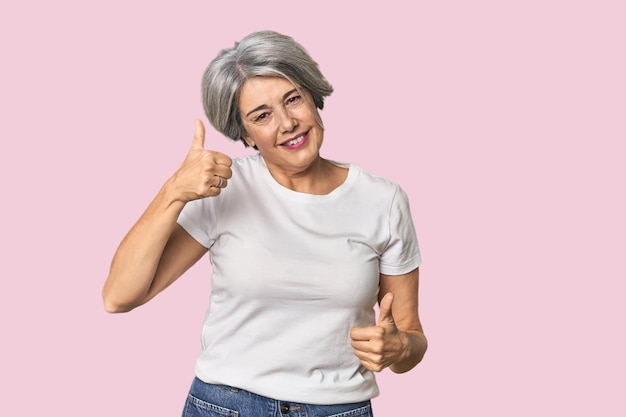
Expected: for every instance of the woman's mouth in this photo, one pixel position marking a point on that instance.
(296, 142)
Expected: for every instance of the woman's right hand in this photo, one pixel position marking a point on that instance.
(203, 173)
(156, 250)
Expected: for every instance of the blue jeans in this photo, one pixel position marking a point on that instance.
(208, 400)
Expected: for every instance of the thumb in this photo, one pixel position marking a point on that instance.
(198, 137)
(385, 316)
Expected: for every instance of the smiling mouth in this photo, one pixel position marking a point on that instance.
(294, 141)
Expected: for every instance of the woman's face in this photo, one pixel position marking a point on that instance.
(281, 123)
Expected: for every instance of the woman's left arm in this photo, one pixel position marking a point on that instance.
(397, 341)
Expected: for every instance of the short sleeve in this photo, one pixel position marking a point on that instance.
(196, 218)
(401, 254)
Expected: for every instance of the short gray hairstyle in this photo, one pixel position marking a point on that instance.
(264, 53)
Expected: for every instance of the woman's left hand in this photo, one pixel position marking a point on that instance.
(382, 345)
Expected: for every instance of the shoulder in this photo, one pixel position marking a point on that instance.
(246, 163)
(374, 193)
(245, 169)
(375, 184)
(247, 176)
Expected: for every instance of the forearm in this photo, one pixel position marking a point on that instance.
(415, 345)
(136, 260)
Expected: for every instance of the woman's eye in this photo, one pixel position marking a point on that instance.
(293, 99)
(261, 117)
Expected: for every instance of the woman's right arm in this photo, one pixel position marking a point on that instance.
(156, 250)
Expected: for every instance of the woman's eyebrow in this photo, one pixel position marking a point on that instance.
(288, 93)
(261, 107)
(265, 106)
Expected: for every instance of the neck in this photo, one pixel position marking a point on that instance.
(320, 177)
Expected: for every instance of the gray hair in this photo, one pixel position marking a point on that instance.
(264, 53)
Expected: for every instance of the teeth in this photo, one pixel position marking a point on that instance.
(295, 141)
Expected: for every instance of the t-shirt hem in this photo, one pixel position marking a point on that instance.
(187, 224)
(313, 396)
(402, 269)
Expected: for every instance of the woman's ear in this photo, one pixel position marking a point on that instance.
(249, 141)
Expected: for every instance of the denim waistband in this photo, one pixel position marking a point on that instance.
(210, 400)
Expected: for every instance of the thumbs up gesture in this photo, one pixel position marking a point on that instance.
(203, 173)
(378, 346)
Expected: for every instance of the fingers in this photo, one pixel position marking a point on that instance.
(385, 319)
(385, 310)
(365, 334)
(371, 354)
(198, 144)
(216, 163)
(221, 182)
(375, 353)
(203, 173)
(375, 346)
(221, 159)
(198, 137)
(371, 362)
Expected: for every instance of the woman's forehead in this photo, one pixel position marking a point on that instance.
(264, 90)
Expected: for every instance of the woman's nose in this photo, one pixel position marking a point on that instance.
(287, 122)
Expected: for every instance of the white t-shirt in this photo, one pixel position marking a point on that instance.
(292, 274)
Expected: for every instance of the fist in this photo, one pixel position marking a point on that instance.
(203, 173)
(378, 346)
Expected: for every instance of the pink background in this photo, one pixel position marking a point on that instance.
(504, 122)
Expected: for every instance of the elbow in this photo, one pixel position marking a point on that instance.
(118, 298)
(114, 308)
(114, 305)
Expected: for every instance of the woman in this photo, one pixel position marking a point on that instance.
(302, 248)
